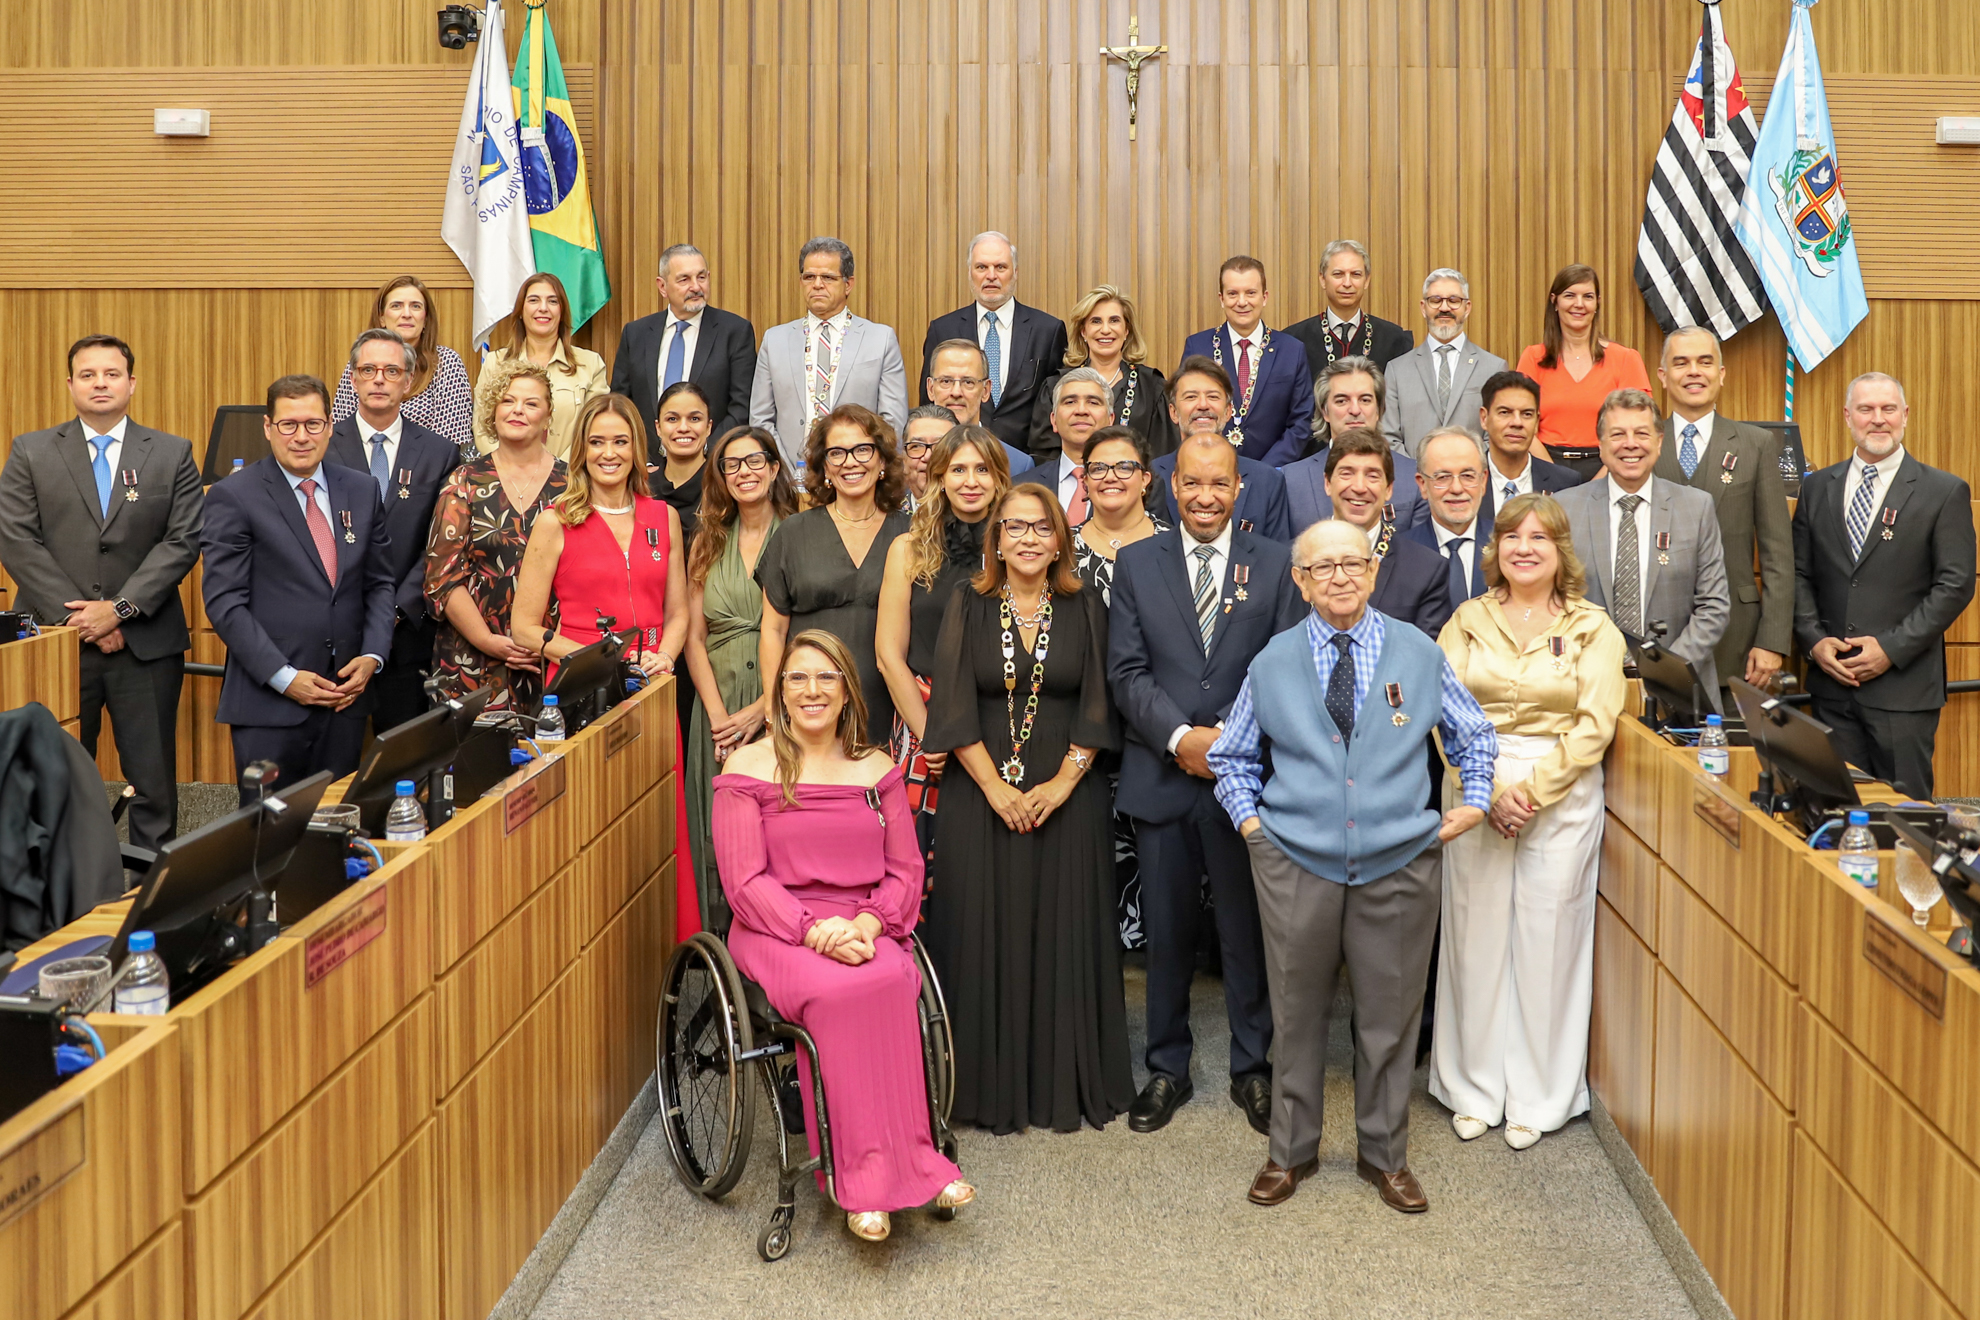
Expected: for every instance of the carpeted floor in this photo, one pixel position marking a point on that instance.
(1114, 1223)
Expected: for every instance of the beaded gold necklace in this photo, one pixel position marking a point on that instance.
(1012, 770)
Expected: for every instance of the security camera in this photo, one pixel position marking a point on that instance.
(459, 24)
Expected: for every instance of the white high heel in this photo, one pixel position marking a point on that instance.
(1519, 1136)
(1469, 1128)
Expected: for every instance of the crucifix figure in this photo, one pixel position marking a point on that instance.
(1132, 55)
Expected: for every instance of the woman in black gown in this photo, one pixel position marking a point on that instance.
(1022, 924)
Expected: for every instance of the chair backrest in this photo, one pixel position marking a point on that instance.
(236, 434)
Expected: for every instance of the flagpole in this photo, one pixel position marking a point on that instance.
(1787, 398)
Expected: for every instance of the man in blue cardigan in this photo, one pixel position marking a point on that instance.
(1346, 857)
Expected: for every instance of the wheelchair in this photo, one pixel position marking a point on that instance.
(715, 1028)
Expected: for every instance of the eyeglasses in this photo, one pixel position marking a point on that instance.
(1468, 478)
(1016, 529)
(958, 382)
(840, 455)
(828, 680)
(1127, 470)
(755, 462)
(1446, 302)
(370, 372)
(1328, 569)
(916, 448)
(310, 426)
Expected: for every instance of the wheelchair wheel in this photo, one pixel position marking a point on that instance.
(774, 1242)
(706, 1097)
(937, 1039)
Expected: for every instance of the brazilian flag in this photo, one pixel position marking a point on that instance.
(563, 227)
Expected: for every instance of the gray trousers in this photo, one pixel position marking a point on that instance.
(1383, 931)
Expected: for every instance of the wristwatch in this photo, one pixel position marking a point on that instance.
(125, 610)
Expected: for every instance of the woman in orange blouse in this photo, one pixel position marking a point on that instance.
(1576, 369)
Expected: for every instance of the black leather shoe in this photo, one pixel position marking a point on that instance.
(1158, 1102)
(1253, 1094)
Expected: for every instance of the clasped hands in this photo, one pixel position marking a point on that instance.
(1026, 810)
(1853, 670)
(98, 623)
(315, 690)
(850, 942)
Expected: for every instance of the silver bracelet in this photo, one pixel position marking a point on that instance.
(1078, 758)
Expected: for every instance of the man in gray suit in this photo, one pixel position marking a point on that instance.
(1436, 383)
(99, 523)
(826, 357)
(1651, 547)
(1739, 466)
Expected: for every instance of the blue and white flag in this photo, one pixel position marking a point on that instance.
(1795, 221)
(486, 218)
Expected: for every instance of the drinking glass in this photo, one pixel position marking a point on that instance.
(1916, 882)
(76, 981)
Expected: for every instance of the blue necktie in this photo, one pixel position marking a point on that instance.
(1512, 493)
(380, 471)
(1688, 451)
(100, 466)
(676, 357)
(1340, 688)
(1460, 580)
(993, 353)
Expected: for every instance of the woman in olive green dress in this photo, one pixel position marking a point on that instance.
(745, 494)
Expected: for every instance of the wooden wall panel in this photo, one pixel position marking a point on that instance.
(148, 1286)
(1622, 1035)
(1845, 1264)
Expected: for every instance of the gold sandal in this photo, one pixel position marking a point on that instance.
(870, 1225)
(957, 1193)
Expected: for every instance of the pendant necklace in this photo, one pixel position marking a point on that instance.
(1012, 770)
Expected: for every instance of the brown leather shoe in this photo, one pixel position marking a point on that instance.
(1398, 1190)
(1274, 1185)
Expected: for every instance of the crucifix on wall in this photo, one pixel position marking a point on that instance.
(1132, 55)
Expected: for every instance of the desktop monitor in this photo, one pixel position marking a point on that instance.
(1671, 683)
(590, 681)
(414, 750)
(1797, 749)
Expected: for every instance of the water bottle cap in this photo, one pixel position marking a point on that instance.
(143, 941)
(550, 699)
(1713, 721)
(405, 788)
(1859, 818)
(240, 462)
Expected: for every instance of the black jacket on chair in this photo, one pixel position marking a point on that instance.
(58, 846)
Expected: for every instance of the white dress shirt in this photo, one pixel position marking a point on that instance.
(838, 322)
(392, 435)
(1643, 534)
(1337, 327)
(1457, 356)
(1887, 467)
(112, 452)
(693, 332)
(286, 675)
(1522, 484)
(1704, 440)
(1006, 319)
(1219, 559)
(1068, 479)
(1244, 348)
(1467, 553)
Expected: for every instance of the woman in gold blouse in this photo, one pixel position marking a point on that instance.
(1515, 975)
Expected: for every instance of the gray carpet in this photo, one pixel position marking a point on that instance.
(1114, 1223)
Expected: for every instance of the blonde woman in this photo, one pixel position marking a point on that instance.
(540, 331)
(1102, 335)
(1515, 974)
(440, 399)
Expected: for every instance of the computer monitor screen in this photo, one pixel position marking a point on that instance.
(588, 682)
(413, 750)
(1799, 752)
(1670, 681)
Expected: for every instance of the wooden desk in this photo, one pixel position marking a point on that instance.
(44, 669)
(378, 1114)
(1795, 1063)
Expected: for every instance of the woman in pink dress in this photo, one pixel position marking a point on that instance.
(605, 547)
(818, 857)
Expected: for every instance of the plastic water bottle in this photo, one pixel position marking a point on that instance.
(144, 988)
(406, 821)
(550, 724)
(1714, 757)
(1859, 851)
(239, 463)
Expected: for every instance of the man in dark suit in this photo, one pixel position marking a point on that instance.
(99, 523)
(299, 585)
(1353, 395)
(1411, 581)
(1450, 477)
(690, 341)
(1509, 415)
(1081, 405)
(1200, 404)
(1191, 608)
(1739, 466)
(1023, 346)
(961, 384)
(1272, 387)
(1345, 329)
(1884, 560)
(409, 464)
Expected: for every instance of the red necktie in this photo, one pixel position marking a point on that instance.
(319, 530)
(1076, 509)
(1244, 367)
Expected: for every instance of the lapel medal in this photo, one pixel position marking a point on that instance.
(130, 486)
(350, 537)
(653, 541)
(1394, 693)
(1731, 462)
(1889, 520)
(1558, 647)
(1241, 574)
(1244, 524)
(1663, 547)
(405, 481)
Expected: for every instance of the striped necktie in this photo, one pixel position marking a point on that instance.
(1859, 511)
(1205, 592)
(823, 366)
(1628, 613)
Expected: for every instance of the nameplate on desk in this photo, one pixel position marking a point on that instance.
(34, 1168)
(533, 794)
(630, 723)
(1715, 807)
(347, 932)
(1909, 968)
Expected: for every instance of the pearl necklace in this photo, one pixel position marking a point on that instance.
(599, 508)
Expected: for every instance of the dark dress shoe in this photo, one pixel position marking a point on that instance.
(1253, 1094)
(1274, 1185)
(1398, 1190)
(1158, 1102)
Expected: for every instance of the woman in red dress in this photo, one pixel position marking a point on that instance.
(607, 549)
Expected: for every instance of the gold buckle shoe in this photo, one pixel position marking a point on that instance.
(957, 1193)
(870, 1225)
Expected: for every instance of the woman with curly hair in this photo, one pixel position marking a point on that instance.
(480, 530)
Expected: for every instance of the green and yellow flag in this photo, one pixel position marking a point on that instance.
(563, 228)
